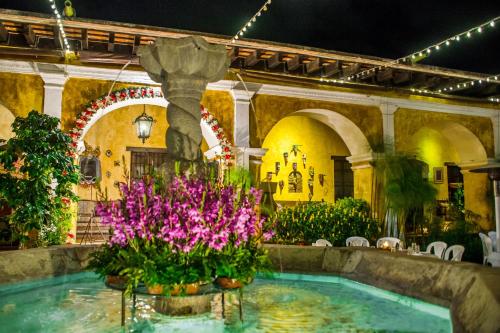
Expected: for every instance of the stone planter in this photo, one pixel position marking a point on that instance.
(188, 289)
(155, 289)
(227, 283)
(116, 281)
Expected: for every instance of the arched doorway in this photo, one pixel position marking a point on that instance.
(450, 149)
(107, 123)
(312, 146)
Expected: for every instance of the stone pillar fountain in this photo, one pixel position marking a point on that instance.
(184, 67)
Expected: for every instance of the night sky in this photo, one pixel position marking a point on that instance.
(384, 28)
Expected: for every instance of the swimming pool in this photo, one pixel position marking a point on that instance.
(286, 303)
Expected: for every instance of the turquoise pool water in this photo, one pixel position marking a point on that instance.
(287, 303)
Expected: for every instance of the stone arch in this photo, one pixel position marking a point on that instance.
(466, 144)
(351, 134)
(6, 120)
(212, 132)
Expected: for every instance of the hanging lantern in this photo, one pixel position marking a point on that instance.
(143, 125)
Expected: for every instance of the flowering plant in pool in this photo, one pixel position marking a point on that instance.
(182, 236)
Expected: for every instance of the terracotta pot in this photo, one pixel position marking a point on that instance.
(188, 289)
(116, 280)
(155, 289)
(227, 283)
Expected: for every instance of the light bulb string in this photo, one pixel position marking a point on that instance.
(251, 21)
(57, 14)
(470, 83)
(426, 51)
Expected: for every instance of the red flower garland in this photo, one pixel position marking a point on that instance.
(143, 92)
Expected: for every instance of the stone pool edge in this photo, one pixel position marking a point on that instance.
(471, 291)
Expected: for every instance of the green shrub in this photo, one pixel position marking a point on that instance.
(333, 222)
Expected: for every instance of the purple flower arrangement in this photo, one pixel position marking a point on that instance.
(196, 227)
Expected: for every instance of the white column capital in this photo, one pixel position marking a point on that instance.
(362, 161)
(243, 155)
(54, 78)
(242, 97)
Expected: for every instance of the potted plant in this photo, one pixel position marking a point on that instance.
(109, 263)
(37, 180)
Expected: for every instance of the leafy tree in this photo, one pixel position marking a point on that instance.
(404, 189)
(39, 178)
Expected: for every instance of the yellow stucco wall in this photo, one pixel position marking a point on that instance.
(478, 199)
(319, 143)
(115, 132)
(270, 109)
(431, 147)
(407, 122)
(21, 93)
(363, 179)
(220, 105)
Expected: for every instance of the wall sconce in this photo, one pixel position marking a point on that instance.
(269, 176)
(281, 185)
(310, 183)
(294, 166)
(285, 157)
(304, 159)
(321, 178)
(310, 196)
(277, 167)
(311, 172)
(295, 149)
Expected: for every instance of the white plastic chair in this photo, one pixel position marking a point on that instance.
(439, 248)
(493, 237)
(392, 242)
(487, 248)
(322, 242)
(456, 253)
(357, 241)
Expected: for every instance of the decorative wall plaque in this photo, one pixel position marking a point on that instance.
(295, 182)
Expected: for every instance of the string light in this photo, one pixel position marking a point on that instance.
(66, 46)
(419, 55)
(247, 25)
(471, 83)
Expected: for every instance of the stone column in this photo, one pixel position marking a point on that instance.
(242, 114)
(388, 125)
(495, 121)
(184, 67)
(54, 79)
(363, 173)
(476, 198)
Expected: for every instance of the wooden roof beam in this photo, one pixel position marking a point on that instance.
(273, 61)
(331, 68)
(252, 58)
(401, 77)
(58, 40)
(4, 34)
(385, 75)
(111, 42)
(85, 39)
(137, 43)
(350, 70)
(29, 35)
(293, 63)
(313, 66)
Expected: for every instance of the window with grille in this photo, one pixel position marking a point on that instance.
(144, 161)
(343, 178)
